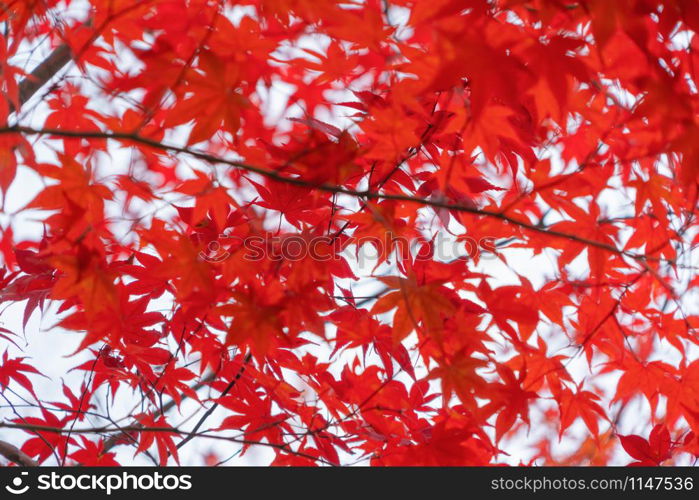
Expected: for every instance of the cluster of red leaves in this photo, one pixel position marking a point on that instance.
(514, 121)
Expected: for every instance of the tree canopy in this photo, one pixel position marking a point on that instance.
(401, 232)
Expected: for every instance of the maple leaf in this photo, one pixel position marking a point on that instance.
(509, 303)
(92, 454)
(254, 322)
(458, 375)
(217, 100)
(651, 452)
(255, 417)
(14, 369)
(173, 380)
(583, 404)
(46, 443)
(78, 404)
(539, 367)
(163, 439)
(70, 111)
(421, 298)
(295, 203)
(10, 146)
(417, 306)
(509, 399)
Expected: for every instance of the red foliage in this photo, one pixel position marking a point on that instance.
(192, 199)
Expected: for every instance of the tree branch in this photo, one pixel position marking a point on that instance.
(206, 415)
(46, 70)
(113, 440)
(14, 454)
(169, 430)
(331, 188)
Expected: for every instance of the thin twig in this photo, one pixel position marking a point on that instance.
(206, 415)
(331, 188)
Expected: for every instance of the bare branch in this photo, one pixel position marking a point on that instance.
(206, 415)
(169, 430)
(14, 454)
(114, 439)
(332, 188)
(46, 70)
